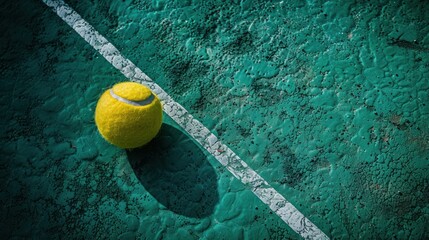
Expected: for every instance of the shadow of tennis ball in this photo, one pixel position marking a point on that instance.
(175, 171)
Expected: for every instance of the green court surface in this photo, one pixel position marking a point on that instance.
(328, 102)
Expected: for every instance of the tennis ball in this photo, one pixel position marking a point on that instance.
(128, 115)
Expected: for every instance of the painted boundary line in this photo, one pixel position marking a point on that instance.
(283, 208)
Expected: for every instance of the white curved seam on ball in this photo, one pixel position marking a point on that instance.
(145, 102)
(262, 189)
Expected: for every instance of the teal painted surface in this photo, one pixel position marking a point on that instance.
(327, 102)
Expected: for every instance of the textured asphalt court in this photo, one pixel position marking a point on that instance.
(327, 112)
(193, 127)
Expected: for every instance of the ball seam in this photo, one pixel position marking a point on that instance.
(145, 102)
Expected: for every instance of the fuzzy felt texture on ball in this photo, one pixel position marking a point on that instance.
(128, 115)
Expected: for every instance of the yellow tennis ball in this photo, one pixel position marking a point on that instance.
(128, 115)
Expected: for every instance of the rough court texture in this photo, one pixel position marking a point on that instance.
(328, 103)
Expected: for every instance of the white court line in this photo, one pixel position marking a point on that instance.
(283, 208)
